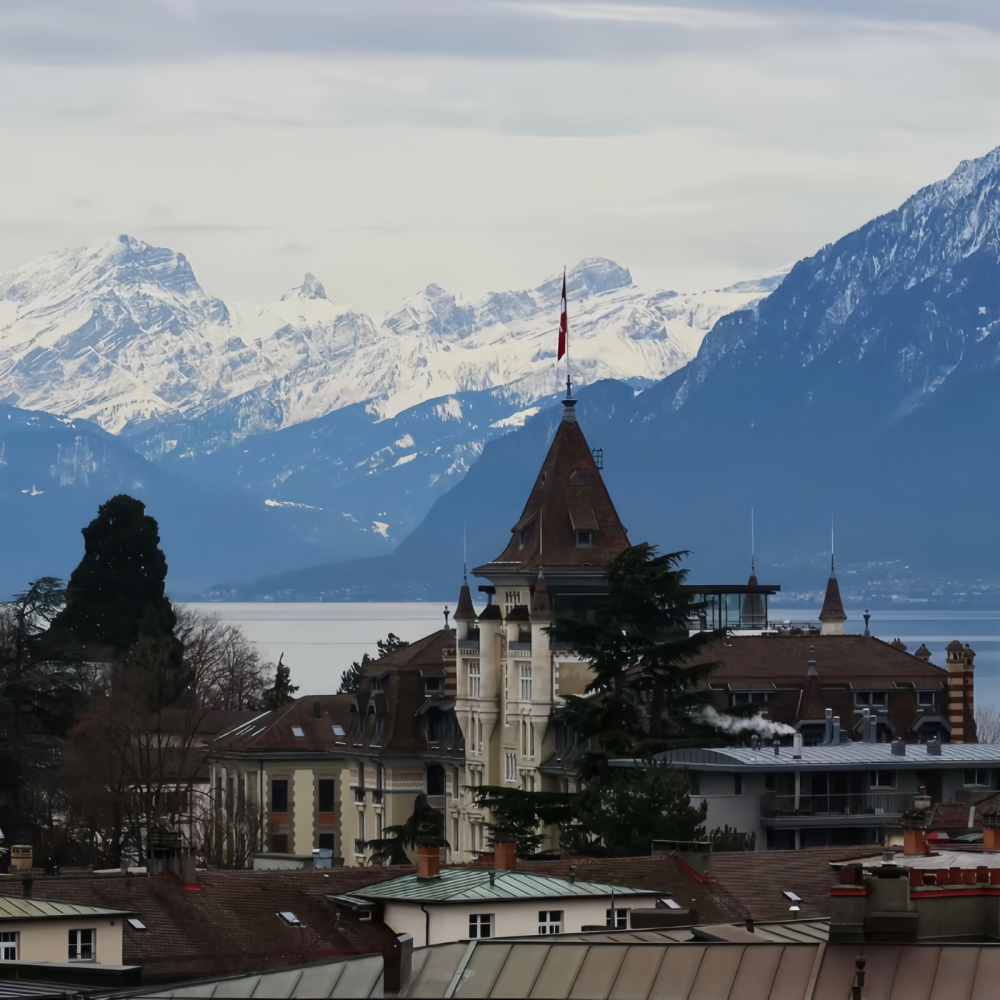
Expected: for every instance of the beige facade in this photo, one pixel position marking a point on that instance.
(49, 940)
(507, 918)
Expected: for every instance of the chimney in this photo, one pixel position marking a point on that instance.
(914, 841)
(797, 746)
(960, 665)
(836, 730)
(505, 856)
(828, 726)
(21, 857)
(934, 746)
(428, 861)
(27, 887)
(397, 964)
(898, 748)
(991, 830)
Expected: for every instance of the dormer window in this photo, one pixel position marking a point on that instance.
(585, 527)
(524, 536)
(378, 685)
(432, 686)
(585, 539)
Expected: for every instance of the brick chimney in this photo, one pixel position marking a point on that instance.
(428, 861)
(960, 665)
(991, 830)
(505, 856)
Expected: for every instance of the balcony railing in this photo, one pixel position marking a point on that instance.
(359, 795)
(377, 797)
(359, 846)
(832, 804)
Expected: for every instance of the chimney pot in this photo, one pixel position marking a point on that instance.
(777, 747)
(934, 747)
(428, 861)
(836, 730)
(797, 746)
(898, 748)
(828, 712)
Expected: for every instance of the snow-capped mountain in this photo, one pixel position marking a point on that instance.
(866, 386)
(121, 333)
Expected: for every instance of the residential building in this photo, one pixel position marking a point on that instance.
(455, 904)
(36, 930)
(833, 793)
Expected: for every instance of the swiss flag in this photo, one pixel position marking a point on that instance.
(563, 323)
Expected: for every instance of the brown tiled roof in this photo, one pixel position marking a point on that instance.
(833, 606)
(273, 730)
(569, 490)
(231, 924)
(740, 885)
(465, 612)
(760, 660)
(425, 652)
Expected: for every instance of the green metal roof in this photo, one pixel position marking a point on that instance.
(23, 908)
(459, 885)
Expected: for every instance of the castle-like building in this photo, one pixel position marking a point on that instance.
(478, 704)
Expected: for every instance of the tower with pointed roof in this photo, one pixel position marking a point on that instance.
(832, 617)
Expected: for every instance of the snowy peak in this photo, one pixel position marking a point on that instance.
(121, 332)
(311, 288)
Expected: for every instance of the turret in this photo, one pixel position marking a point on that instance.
(832, 617)
(465, 613)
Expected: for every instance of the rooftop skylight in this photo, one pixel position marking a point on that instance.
(289, 918)
(297, 731)
(136, 924)
(792, 897)
(338, 730)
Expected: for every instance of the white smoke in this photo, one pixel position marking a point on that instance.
(753, 724)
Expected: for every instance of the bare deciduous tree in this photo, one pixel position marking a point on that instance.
(988, 723)
(229, 672)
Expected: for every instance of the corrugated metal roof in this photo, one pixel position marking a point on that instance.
(456, 885)
(23, 908)
(844, 756)
(722, 971)
(786, 931)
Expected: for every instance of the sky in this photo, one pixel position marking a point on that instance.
(479, 144)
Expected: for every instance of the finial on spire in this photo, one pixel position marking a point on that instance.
(753, 545)
(564, 336)
(465, 556)
(446, 613)
(831, 544)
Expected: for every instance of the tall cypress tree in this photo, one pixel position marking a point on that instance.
(116, 606)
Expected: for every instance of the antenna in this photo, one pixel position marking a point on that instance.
(831, 543)
(753, 544)
(465, 556)
(541, 537)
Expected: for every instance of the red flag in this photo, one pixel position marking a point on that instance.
(563, 323)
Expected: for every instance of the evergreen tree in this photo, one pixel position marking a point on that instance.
(424, 828)
(350, 681)
(283, 690)
(117, 593)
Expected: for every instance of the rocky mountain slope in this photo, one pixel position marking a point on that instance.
(122, 334)
(866, 387)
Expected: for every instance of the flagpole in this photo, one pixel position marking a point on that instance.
(569, 382)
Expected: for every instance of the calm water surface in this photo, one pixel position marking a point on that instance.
(320, 640)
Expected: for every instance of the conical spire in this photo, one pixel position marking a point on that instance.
(465, 612)
(582, 527)
(832, 616)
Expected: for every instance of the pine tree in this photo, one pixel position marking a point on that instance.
(283, 690)
(350, 681)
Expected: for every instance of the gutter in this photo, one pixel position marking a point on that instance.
(427, 926)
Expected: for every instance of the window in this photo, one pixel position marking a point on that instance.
(738, 783)
(873, 699)
(883, 779)
(531, 740)
(480, 925)
(279, 795)
(585, 539)
(510, 767)
(432, 686)
(512, 598)
(977, 777)
(454, 834)
(81, 946)
(297, 731)
(694, 782)
(325, 795)
(474, 678)
(617, 919)
(279, 843)
(925, 699)
(524, 536)
(8, 946)
(770, 782)
(749, 697)
(435, 779)
(550, 921)
(337, 730)
(378, 685)
(325, 842)
(362, 835)
(479, 734)
(525, 682)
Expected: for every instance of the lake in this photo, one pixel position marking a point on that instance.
(320, 640)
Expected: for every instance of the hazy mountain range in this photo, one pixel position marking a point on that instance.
(306, 430)
(302, 450)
